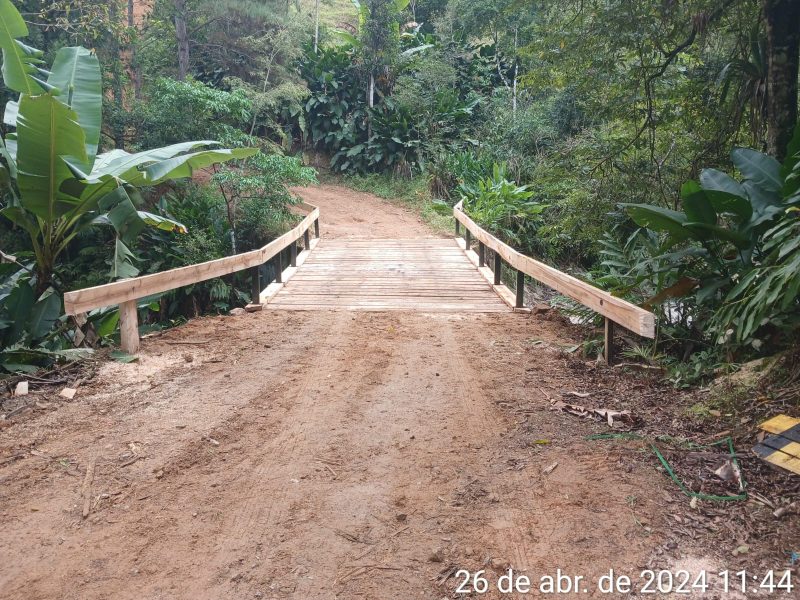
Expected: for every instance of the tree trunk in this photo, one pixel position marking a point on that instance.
(136, 73)
(371, 94)
(516, 72)
(316, 26)
(783, 48)
(370, 102)
(182, 37)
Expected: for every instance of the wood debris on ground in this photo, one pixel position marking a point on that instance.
(68, 393)
(605, 414)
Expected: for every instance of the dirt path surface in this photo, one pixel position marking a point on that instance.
(327, 455)
(347, 213)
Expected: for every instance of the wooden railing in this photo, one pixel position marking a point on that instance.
(126, 292)
(614, 310)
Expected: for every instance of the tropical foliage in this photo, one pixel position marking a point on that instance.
(643, 146)
(57, 186)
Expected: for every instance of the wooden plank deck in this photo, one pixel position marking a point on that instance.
(427, 275)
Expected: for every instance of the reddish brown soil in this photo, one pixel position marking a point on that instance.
(332, 455)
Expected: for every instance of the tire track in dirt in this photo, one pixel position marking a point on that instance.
(354, 455)
(254, 523)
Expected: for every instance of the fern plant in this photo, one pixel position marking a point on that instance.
(768, 294)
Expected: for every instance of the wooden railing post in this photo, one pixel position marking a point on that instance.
(467, 239)
(279, 267)
(608, 352)
(255, 285)
(129, 327)
(481, 254)
(307, 240)
(293, 254)
(498, 267)
(458, 228)
(316, 228)
(520, 289)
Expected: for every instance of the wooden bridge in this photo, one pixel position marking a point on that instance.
(425, 274)
(431, 275)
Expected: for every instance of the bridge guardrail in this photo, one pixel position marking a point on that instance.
(615, 311)
(126, 292)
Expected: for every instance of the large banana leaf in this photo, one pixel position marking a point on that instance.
(763, 170)
(726, 194)
(21, 71)
(122, 266)
(185, 165)
(696, 205)
(47, 130)
(124, 165)
(44, 315)
(659, 219)
(76, 73)
(19, 303)
(146, 168)
(128, 221)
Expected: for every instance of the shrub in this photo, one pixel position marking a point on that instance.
(502, 206)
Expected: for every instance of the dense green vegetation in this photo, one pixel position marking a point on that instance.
(645, 146)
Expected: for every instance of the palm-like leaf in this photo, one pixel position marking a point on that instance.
(47, 130)
(21, 64)
(76, 73)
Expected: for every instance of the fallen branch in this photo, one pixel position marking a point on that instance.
(86, 488)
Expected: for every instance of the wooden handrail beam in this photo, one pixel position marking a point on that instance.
(126, 292)
(619, 311)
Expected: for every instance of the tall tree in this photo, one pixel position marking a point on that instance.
(380, 36)
(182, 37)
(782, 19)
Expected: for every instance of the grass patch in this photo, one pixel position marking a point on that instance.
(411, 193)
(724, 400)
(332, 13)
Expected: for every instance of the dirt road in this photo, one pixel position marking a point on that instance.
(325, 455)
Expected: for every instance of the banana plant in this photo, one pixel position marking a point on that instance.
(720, 211)
(725, 225)
(55, 182)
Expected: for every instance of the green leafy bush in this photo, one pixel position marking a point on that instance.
(727, 263)
(175, 111)
(502, 206)
(447, 170)
(767, 296)
(33, 334)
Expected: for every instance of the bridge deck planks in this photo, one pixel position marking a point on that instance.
(429, 275)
